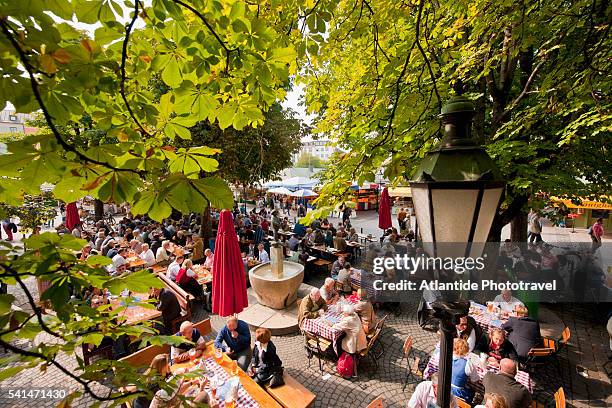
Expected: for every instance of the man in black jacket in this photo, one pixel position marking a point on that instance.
(523, 332)
(168, 305)
(503, 383)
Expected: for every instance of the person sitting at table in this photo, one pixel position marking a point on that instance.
(210, 259)
(337, 266)
(468, 330)
(506, 302)
(496, 345)
(168, 305)
(99, 240)
(505, 384)
(293, 242)
(344, 278)
(523, 332)
(198, 248)
(180, 353)
(329, 238)
(180, 238)
(174, 267)
(113, 249)
(158, 368)
(365, 311)
(462, 371)
(425, 394)
(311, 306)
(262, 255)
(353, 236)
(235, 339)
(147, 255)
(340, 242)
(310, 236)
(354, 339)
(186, 278)
(248, 234)
(85, 252)
(493, 401)
(136, 246)
(119, 262)
(319, 238)
(251, 251)
(328, 291)
(163, 252)
(265, 363)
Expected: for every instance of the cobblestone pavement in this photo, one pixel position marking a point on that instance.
(588, 348)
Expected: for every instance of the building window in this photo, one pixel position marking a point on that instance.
(13, 118)
(13, 129)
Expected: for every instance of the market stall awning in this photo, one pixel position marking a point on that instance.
(304, 193)
(400, 191)
(586, 204)
(280, 190)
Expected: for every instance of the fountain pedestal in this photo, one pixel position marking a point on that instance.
(276, 283)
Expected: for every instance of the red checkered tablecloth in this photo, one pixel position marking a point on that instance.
(320, 327)
(244, 399)
(521, 376)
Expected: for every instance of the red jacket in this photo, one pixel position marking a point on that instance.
(181, 277)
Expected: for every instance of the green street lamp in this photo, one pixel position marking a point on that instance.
(456, 192)
(457, 188)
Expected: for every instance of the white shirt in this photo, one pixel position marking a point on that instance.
(263, 256)
(424, 395)
(173, 270)
(118, 261)
(161, 255)
(148, 257)
(261, 347)
(471, 341)
(507, 306)
(175, 351)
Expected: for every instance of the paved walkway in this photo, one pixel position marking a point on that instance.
(588, 349)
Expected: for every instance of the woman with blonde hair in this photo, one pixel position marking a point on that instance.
(496, 346)
(159, 369)
(463, 371)
(493, 401)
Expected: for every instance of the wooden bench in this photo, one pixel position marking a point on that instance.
(322, 264)
(292, 394)
(184, 298)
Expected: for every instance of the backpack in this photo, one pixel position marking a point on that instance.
(345, 365)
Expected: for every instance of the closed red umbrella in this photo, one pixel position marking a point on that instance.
(384, 210)
(229, 283)
(72, 216)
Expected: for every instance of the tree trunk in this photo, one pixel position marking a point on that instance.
(206, 225)
(518, 228)
(98, 209)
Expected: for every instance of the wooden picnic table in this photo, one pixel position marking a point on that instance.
(485, 319)
(204, 275)
(134, 314)
(254, 391)
(324, 249)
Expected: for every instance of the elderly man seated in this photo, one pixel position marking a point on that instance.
(365, 311)
(180, 353)
(235, 339)
(328, 291)
(506, 302)
(426, 394)
(504, 384)
(210, 259)
(311, 306)
(354, 339)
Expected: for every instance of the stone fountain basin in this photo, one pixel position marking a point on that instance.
(274, 292)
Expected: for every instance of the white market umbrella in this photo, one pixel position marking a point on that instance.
(303, 193)
(280, 190)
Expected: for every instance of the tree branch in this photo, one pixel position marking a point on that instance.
(8, 33)
(422, 51)
(126, 40)
(223, 44)
(523, 93)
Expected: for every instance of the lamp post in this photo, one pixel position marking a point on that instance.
(456, 192)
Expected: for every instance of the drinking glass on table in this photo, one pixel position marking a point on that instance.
(218, 355)
(192, 354)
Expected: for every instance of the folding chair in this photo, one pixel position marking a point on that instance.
(312, 344)
(411, 377)
(560, 398)
(377, 403)
(462, 404)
